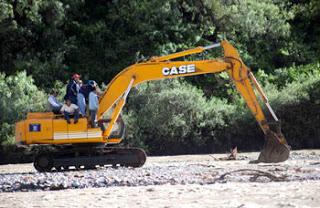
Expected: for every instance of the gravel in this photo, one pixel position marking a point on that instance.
(301, 166)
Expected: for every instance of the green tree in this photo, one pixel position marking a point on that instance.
(305, 45)
(32, 39)
(19, 96)
(259, 29)
(113, 35)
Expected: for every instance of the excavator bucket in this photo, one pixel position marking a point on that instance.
(275, 148)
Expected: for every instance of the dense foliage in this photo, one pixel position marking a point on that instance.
(174, 117)
(18, 96)
(51, 39)
(44, 41)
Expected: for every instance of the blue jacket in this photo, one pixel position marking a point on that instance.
(72, 91)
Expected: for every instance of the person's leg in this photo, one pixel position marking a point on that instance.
(101, 126)
(82, 104)
(95, 118)
(67, 116)
(76, 116)
(93, 114)
(56, 110)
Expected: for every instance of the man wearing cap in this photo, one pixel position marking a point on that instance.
(73, 89)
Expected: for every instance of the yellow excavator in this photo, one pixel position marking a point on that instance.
(62, 146)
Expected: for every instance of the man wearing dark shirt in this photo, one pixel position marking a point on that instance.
(73, 89)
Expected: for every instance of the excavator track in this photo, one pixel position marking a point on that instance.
(71, 157)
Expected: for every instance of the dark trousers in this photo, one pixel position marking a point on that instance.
(75, 115)
(56, 110)
(93, 114)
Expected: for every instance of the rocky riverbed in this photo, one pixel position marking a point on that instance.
(175, 181)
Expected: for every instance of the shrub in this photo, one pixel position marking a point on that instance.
(18, 96)
(298, 107)
(171, 117)
(294, 95)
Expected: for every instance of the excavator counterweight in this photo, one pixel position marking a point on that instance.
(59, 145)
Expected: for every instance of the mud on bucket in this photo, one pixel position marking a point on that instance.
(275, 149)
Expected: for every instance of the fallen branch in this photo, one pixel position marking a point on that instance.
(315, 163)
(255, 173)
(204, 165)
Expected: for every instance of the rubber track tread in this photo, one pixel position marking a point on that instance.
(68, 157)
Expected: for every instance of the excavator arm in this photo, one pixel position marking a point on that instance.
(275, 148)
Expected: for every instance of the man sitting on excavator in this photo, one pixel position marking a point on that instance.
(69, 109)
(53, 104)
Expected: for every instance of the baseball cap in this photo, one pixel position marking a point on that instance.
(74, 76)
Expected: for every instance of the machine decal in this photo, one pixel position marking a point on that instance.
(183, 69)
(34, 127)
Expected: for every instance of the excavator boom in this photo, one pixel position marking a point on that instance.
(275, 148)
